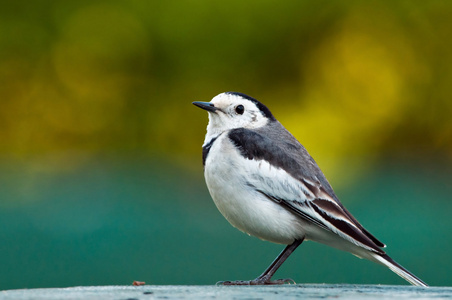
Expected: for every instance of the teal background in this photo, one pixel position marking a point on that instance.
(115, 221)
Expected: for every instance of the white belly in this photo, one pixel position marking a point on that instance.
(245, 208)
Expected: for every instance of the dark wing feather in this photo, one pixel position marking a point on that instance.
(319, 192)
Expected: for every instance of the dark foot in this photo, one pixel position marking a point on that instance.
(257, 281)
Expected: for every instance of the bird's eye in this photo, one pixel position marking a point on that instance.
(239, 109)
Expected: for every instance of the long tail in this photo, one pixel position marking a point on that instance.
(399, 270)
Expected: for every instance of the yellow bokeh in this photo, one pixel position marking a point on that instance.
(353, 81)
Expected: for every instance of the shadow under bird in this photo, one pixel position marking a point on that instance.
(266, 184)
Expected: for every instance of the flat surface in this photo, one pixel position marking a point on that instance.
(304, 291)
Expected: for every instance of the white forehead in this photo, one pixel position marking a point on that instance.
(224, 100)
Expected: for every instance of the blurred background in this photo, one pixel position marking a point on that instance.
(101, 180)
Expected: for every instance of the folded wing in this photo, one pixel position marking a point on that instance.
(285, 173)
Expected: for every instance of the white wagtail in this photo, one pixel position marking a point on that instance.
(266, 184)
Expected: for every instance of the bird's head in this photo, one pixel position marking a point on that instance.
(232, 110)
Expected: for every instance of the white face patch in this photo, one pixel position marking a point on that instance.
(233, 112)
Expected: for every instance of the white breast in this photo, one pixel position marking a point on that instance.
(226, 173)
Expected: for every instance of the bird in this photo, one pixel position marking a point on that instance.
(266, 184)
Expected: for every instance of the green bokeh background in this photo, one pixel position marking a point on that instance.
(100, 148)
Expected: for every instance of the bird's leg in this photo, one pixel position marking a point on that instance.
(265, 278)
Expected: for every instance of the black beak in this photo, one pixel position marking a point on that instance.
(206, 106)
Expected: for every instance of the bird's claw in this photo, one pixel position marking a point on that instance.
(257, 281)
